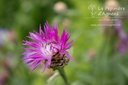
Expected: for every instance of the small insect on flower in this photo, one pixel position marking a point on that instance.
(46, 46)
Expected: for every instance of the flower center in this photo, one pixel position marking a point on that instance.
(48, 50)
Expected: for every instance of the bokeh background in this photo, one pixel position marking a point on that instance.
(100, 52)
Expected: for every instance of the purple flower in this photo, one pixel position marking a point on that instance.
(122, 36)
(46, 46)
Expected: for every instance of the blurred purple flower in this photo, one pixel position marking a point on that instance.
(122, 36)
(123, 46)
(47, 47)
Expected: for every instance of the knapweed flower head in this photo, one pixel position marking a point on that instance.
(48, 48)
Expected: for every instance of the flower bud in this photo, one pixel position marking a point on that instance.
(111, 5)
(60, 7)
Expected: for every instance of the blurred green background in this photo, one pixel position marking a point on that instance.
(96, 49)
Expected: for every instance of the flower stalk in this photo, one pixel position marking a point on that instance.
(63, 75)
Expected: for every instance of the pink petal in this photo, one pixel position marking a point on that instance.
(69, 56)
(46, 65)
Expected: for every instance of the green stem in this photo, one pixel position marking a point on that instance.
(63, 75)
